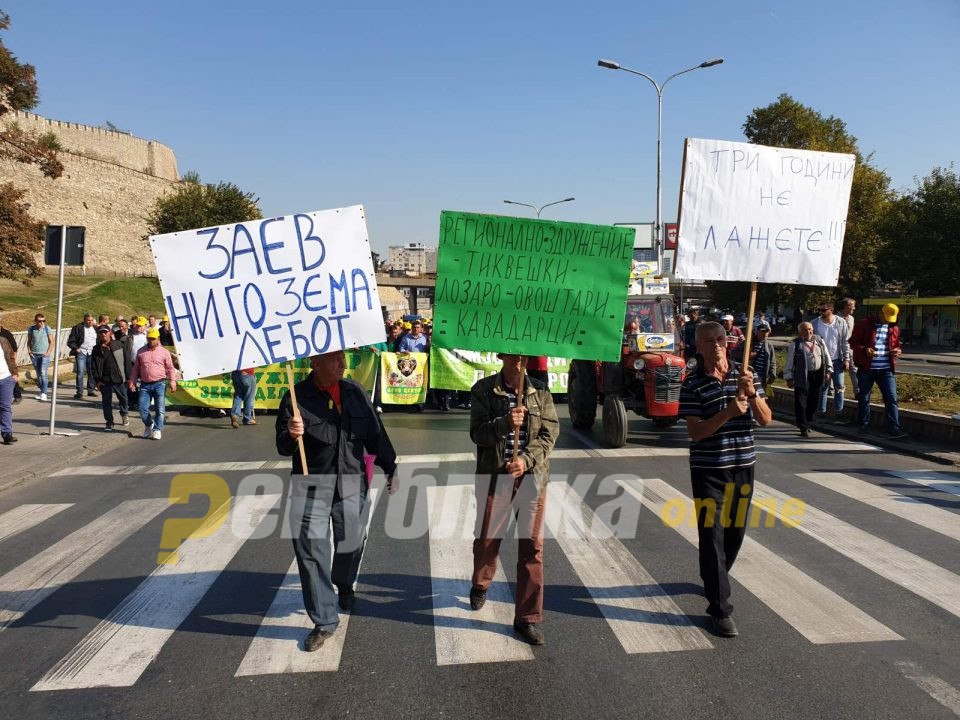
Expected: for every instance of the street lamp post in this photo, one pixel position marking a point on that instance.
(658, 235)
(540, 209)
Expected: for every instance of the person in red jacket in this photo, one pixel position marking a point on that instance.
(875, 344)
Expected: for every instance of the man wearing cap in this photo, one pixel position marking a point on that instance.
(735, 338)
(339, 426)
(166, 336)
(153, 366)
(763, 360)
(83, 338)
(108, 365)
(876, 347)
(506, 488)
(690, 334)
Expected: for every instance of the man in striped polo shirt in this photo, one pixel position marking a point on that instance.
(720, 405)
(876, 346)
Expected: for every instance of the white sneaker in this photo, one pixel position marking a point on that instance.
(43, 397)
(147, 431)
(156, 434)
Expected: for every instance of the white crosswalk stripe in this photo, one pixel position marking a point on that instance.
(909, 571)
(641, 615)
(278, 646)
(120, 647)
(36, 579)
(914, 510)
(933, 480)
(462, 635)
(814, 611)
(25, 517)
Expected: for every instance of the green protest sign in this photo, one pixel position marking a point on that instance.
(531, 287)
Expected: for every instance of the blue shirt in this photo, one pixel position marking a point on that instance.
(760, 361)
(409, 343)
(703, 396)
(881, 361)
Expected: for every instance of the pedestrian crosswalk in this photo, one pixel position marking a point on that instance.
(630, 597)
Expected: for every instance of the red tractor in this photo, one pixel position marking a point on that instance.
(647, 379)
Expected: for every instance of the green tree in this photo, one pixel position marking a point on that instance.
(922, 229)
(21, 236)
(197, 205)
(790, 124)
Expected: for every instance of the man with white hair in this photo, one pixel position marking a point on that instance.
(807, 369)
(735, 338)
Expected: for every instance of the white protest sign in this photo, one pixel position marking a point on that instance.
(265, 291)
(762, 214)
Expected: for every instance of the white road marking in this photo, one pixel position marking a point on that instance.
(117, 651)
(937, 688)
(814, 611)
(912, 509)
(39, 577)
(909, 571)
(933, 480)
(462, 635)
(641, 615)
(25, 517)
(278, 646)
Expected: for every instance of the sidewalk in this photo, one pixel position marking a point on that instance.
(36, 454)
(911, 353)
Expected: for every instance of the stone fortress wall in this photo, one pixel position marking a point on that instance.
(109, 184)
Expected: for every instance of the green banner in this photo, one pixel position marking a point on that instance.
(217, 391)
(532, 287)
(460, 369)
(404, 378)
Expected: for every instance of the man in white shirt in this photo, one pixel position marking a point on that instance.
(82, 340)
(836, 336)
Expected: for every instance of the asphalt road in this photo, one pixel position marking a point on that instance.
(855, 614)
(925, 368)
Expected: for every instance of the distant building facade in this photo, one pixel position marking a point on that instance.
(413, 259)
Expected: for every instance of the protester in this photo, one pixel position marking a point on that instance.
(83, 338)
(876, 347)
(244, 394)
(537, 368)
(393, 337)
(152, 323)
(121, 329)
(166, 336)
(836, 337)
(506, 487)
(735, 338)
(720, 405)
(108, 365)
(9, 377)
(103, 320)
(152, 367)
(763, 358)
(690, 334)
(416, 341)
(807, 368)
(5, 333)
(845, 310)
(338, 426)
(116, 327)
(41, 342)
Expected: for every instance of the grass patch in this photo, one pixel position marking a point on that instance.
(81, 294)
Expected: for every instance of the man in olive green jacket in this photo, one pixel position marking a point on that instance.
(506, 487)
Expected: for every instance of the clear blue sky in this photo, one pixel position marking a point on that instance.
(412, 108)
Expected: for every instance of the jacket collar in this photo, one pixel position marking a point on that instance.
(499, 387)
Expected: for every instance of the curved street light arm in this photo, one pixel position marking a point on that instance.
(654, 82)
(514, 202)
(554, 203)
(695, 67)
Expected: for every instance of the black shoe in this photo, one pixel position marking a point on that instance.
(863, 430)
(841, 421)
(804, 432)
(898, 435)
(530, 632)
(347, 599)
(78, 396)
(724, 627)
(478, 597)
(9, 439)
(314, 641)
(91, 393)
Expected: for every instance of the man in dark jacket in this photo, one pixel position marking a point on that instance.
(338, 426)
(82, 339)
(505, 486)
(875, 344)
(108, 367)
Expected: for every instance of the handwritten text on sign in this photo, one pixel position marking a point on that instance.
(762, 214)
(531, 287)
(265, 291)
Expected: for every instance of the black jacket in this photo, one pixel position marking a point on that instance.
(109, 368)
(335, 443)
(76, 338)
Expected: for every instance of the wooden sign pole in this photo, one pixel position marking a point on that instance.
(745, 365)
(296, 414)
(516, 432)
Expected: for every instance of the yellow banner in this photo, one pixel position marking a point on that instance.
(403, 378)
(217, 391)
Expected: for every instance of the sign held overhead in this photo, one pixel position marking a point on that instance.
(762, 214)
(266, 291)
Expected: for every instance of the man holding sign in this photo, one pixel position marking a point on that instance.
(514, 439)
(337, 424)
(720, 405)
